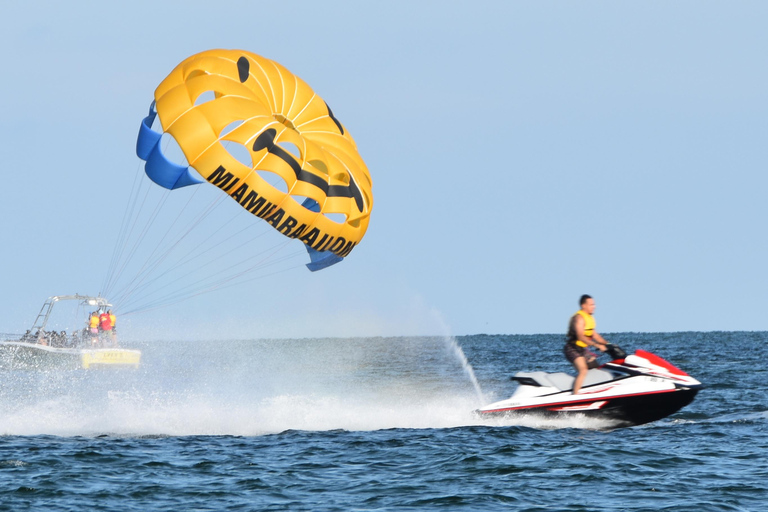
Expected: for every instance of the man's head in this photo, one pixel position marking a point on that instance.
(587, 303)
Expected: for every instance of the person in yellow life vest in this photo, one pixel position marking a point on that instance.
(582, 335)
(93, 326)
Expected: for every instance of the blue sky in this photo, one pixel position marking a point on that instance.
(522, 153)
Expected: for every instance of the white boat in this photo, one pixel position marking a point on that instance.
(42, 349)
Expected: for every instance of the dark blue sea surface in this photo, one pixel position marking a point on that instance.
(375, 424)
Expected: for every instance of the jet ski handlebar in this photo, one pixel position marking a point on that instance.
(615, 351)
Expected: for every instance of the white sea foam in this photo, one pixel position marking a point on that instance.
(251, 388)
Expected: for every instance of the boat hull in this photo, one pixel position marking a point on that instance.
(22, 355)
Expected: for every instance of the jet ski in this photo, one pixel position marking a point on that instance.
(629, 390)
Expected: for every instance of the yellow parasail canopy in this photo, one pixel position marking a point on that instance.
(303, 173)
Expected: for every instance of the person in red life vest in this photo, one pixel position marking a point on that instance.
(581, 335)
(105, 325)
(113, 332)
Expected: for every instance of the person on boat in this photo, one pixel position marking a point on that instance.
(93, 325)
(582, 335)
(113, 332)
(105, 326)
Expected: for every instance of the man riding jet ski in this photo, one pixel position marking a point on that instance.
(629, 390)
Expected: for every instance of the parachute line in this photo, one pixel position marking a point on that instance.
(127, 214)
(162, 277)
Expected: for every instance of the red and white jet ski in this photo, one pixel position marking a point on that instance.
(629, 390)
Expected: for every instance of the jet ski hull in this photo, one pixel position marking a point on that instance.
(633, 390)
(622, 411)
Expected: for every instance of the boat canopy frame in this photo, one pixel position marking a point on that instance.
(86, 300)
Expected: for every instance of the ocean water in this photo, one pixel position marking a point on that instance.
(375, 424)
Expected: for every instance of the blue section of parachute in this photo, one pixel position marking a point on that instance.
(159, 169)
(318, 260)
(321, 260)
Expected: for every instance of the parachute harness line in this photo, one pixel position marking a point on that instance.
(168, 253)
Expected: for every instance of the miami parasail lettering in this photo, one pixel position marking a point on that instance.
(286, 224)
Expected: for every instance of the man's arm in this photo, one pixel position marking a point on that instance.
(601, 342)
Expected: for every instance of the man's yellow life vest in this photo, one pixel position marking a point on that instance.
(589, 327)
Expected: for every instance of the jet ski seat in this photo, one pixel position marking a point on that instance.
(596, 376)
(560, 380)
(564, 382)
(533, 379)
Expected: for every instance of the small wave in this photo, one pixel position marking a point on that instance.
(736, 417)
(13, 463)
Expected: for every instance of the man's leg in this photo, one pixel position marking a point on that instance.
(581, 366)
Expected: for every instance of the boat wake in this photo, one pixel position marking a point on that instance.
(254, 388)
(136, 414)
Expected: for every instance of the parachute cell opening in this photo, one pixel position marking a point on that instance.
(274, 179)
(239, 152)
(291, 148)
(342, 177)
(338, 218)
(320, 166)
(205, 97)
(230, 128)
(313, 206)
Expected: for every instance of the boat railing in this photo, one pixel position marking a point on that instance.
(45, 312)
